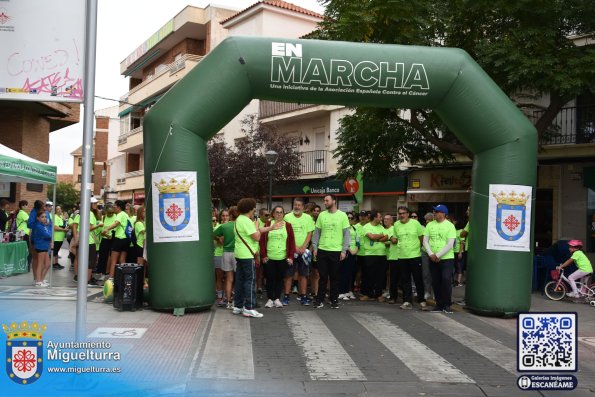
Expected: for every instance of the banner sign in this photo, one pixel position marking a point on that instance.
(509, 218)
(175, 206)
(42, 52)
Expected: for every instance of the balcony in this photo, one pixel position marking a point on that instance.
(131, 141)
(572, 125)
(314, 162)
(134, 180)
(165, 76)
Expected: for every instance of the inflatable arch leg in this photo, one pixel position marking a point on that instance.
(240, 69)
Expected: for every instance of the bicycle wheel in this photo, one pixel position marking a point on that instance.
(554, 291)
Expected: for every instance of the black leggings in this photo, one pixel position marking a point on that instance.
(275, 272)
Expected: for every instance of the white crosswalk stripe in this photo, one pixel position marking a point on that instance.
(228, 351)
(325, 357)
(421, 360)
(497, 353)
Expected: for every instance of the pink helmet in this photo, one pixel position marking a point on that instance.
(575, 243)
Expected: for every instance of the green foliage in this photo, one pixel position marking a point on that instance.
(242, 171)
(66, 195)
(526, 46)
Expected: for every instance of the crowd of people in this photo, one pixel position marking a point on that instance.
(331, 254)
(110, 243)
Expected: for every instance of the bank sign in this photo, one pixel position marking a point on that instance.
(290, 70)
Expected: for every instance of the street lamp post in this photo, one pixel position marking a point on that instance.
(271, 157)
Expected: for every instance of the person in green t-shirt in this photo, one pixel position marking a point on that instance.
(408, 236)
(92, 255)
(329, 245)
(120, 242)
(439, 239)
(60, 230)
(105, 245)
(247, 236)
(225, 233)
(349, 266)
(218, 257)
(359, 282)
(277, 249)
(374, 238)
(303, 227)
(583, 264)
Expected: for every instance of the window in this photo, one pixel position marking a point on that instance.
(79, 178)
(80, 161)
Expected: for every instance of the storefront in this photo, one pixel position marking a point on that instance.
(385, 195)
(451, 186)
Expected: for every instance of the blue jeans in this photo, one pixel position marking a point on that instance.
(244, 292)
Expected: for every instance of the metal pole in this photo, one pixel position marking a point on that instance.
(53, 219)
(270, 187)
(89, 117)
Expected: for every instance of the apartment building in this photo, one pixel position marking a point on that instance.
(25, 128)
(154, 67)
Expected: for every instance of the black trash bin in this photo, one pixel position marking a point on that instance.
(128, 286)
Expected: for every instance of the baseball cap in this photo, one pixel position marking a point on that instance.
(49, 203)
(93, 200)
(364, 213)
(441, 208)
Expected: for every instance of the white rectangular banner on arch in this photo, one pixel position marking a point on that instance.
(509, 218)
(175, 206)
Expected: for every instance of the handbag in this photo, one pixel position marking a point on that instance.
(254, 254)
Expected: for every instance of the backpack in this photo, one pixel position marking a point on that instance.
(129, 230)
(133, 236)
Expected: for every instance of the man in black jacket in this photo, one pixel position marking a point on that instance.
(3, 214)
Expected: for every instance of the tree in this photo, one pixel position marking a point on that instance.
(66, 195)
(523, 45)
(242, 171)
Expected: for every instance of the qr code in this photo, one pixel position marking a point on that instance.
(547, 342)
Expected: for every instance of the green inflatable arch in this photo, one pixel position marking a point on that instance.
(177, 128)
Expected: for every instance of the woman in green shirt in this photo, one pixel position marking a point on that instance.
(120, 243)
(105, 246)
(218, 258)
(277, 248)
(60, 230)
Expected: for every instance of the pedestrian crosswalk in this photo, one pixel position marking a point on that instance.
(324, 345)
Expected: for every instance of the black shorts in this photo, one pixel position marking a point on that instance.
(92, 256)
(46, 251)
(120, 245)
(57, 246)
(138, 251)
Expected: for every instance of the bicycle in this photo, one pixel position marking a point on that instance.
(560, 285)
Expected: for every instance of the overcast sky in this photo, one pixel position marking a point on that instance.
(123, 25)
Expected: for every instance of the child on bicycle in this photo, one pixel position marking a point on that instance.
(582, 262)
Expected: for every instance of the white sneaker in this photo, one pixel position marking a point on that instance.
(406, 305)
(427, 295)
(278, 303)
(572, 295)
(252, 313)
(386, 294)
(351, 295)
(269, 304)
(343, 297)
(424, 306)
(237, 310)
(39, 284)
(45, 283)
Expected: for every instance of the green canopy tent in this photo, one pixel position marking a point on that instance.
(16, 167)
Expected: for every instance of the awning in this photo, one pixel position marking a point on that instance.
(16, 167)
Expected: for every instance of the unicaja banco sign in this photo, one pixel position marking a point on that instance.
(290, 66)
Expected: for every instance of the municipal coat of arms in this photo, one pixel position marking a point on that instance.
(511, 214)
(174, 203)
(24, 351)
